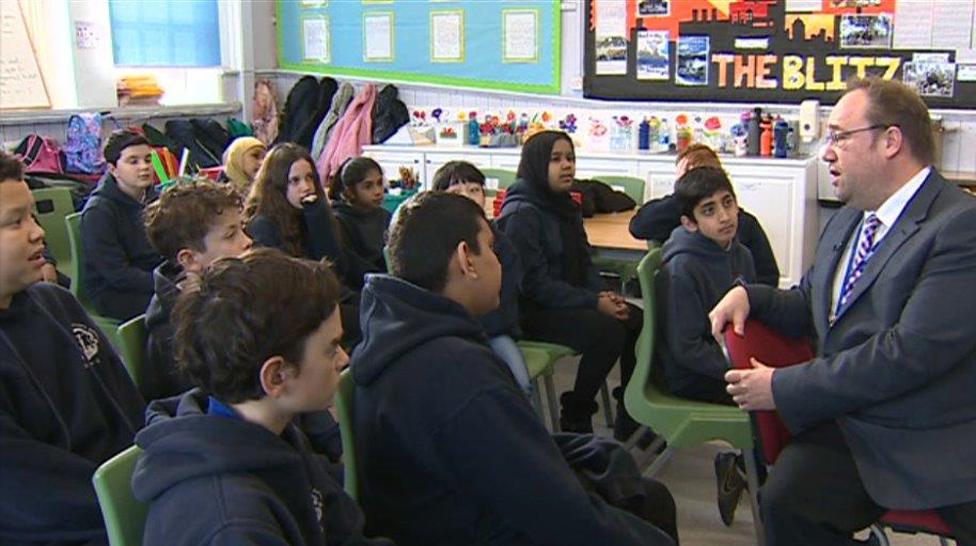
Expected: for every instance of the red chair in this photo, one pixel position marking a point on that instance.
(774, 349)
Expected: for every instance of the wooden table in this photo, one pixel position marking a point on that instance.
(610, 231)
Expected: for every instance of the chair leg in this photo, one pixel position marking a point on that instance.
(537, 400)
(607, 408)
(659, 462)
(551, 398)
(882, 537)
(752, 478)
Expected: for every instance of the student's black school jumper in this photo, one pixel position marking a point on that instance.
(695, 274)
(160, 378)
(560, 286)
(213, 478)
(66, 406)
(319, 240)
(657, 218)
(118, 258)
(450, 451)
(363, 235)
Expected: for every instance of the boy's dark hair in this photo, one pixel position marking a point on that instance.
(246, 310)
(698, 184)
(427, 231)
(352, 171)
(184, 213)
(120, 140)
(11, 167)
(456, 172)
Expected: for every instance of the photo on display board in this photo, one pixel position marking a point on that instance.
(611, 55)
(654, 7)
(930, 79)
(866, 31)
(854, 3)
(653, 55)
(691, 67)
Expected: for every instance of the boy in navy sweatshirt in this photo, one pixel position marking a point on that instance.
(223, 463)
(702, 260)
(191, 225)
(66, 402)
(118, 258)
(450, 450)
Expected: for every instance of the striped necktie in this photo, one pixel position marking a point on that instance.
(865, 247)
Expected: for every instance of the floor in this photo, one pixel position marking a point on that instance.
(691, 478)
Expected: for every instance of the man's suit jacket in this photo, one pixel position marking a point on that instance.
(897, 369)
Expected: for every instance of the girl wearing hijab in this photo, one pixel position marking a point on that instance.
(564, 300)
(241, 163)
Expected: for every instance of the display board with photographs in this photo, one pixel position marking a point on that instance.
(778, 50)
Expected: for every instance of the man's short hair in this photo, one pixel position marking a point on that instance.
(456, 172)
(120, 140)
(426, 233)
(893, 104)
(246, 310)
(184, 213)
(11, 168)
(699, 155)
(698, 184)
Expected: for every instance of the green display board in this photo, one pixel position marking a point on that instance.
(510, 45)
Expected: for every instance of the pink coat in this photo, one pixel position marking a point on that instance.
(353, 131)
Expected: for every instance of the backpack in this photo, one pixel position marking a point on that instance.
(40, 155)
(180, 131)
(83, 144)
(238, 128)
(210, 134)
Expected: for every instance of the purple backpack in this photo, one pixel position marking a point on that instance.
(40, 155)
(83, 144)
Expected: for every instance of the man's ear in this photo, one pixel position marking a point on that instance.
(893, 141)
(274, 374)
(690, 225)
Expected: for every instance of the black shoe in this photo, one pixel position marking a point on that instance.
(731, 483)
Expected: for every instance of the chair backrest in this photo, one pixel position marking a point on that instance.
(52, 205)
(345, 402)
(633, 186)
(773, 349)
(73, 223)
(131, 336)
(125, 517)
(505, 177)
(646, 272)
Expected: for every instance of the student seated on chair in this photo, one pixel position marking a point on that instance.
(190, 225)
(564, 299)
(450, 450)
(242, 160)
(117, 257)
(357, 198)
(502, 324)
(657, 218)
(66, 402)
(287, 210)
(702, 259)
(223, 463)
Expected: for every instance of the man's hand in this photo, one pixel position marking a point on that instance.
(752, 389)
(734, 308)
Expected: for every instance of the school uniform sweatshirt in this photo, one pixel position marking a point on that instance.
(160, 378)
(118, 258)
(363, 235)
(66, 406)
(695, 274)
(203, 488)
(449, 449)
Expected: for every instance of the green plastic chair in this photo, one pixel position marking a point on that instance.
(131, 336)
(52, 205)
(680, 422)
(632, 185)
(108, 326)
(505, 177)
(344, 404)
(125, 517)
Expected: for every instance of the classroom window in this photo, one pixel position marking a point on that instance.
(179, 33)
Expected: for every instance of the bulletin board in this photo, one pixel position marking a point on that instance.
(511, 45)
(778, 50)
(21, 82)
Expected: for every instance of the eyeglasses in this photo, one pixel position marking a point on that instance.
(839, 139)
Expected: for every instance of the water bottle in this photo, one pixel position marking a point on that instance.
(644, 135)
(474, 131)
(752, 139)
(781, 131)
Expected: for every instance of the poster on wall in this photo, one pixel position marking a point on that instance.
(776, 50)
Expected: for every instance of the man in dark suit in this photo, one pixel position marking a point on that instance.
(885, 415)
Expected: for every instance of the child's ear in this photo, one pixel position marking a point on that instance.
(188, 260)
(274, 374)
(690, 225)
(462, 256)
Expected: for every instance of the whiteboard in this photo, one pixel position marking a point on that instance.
(21, 84)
